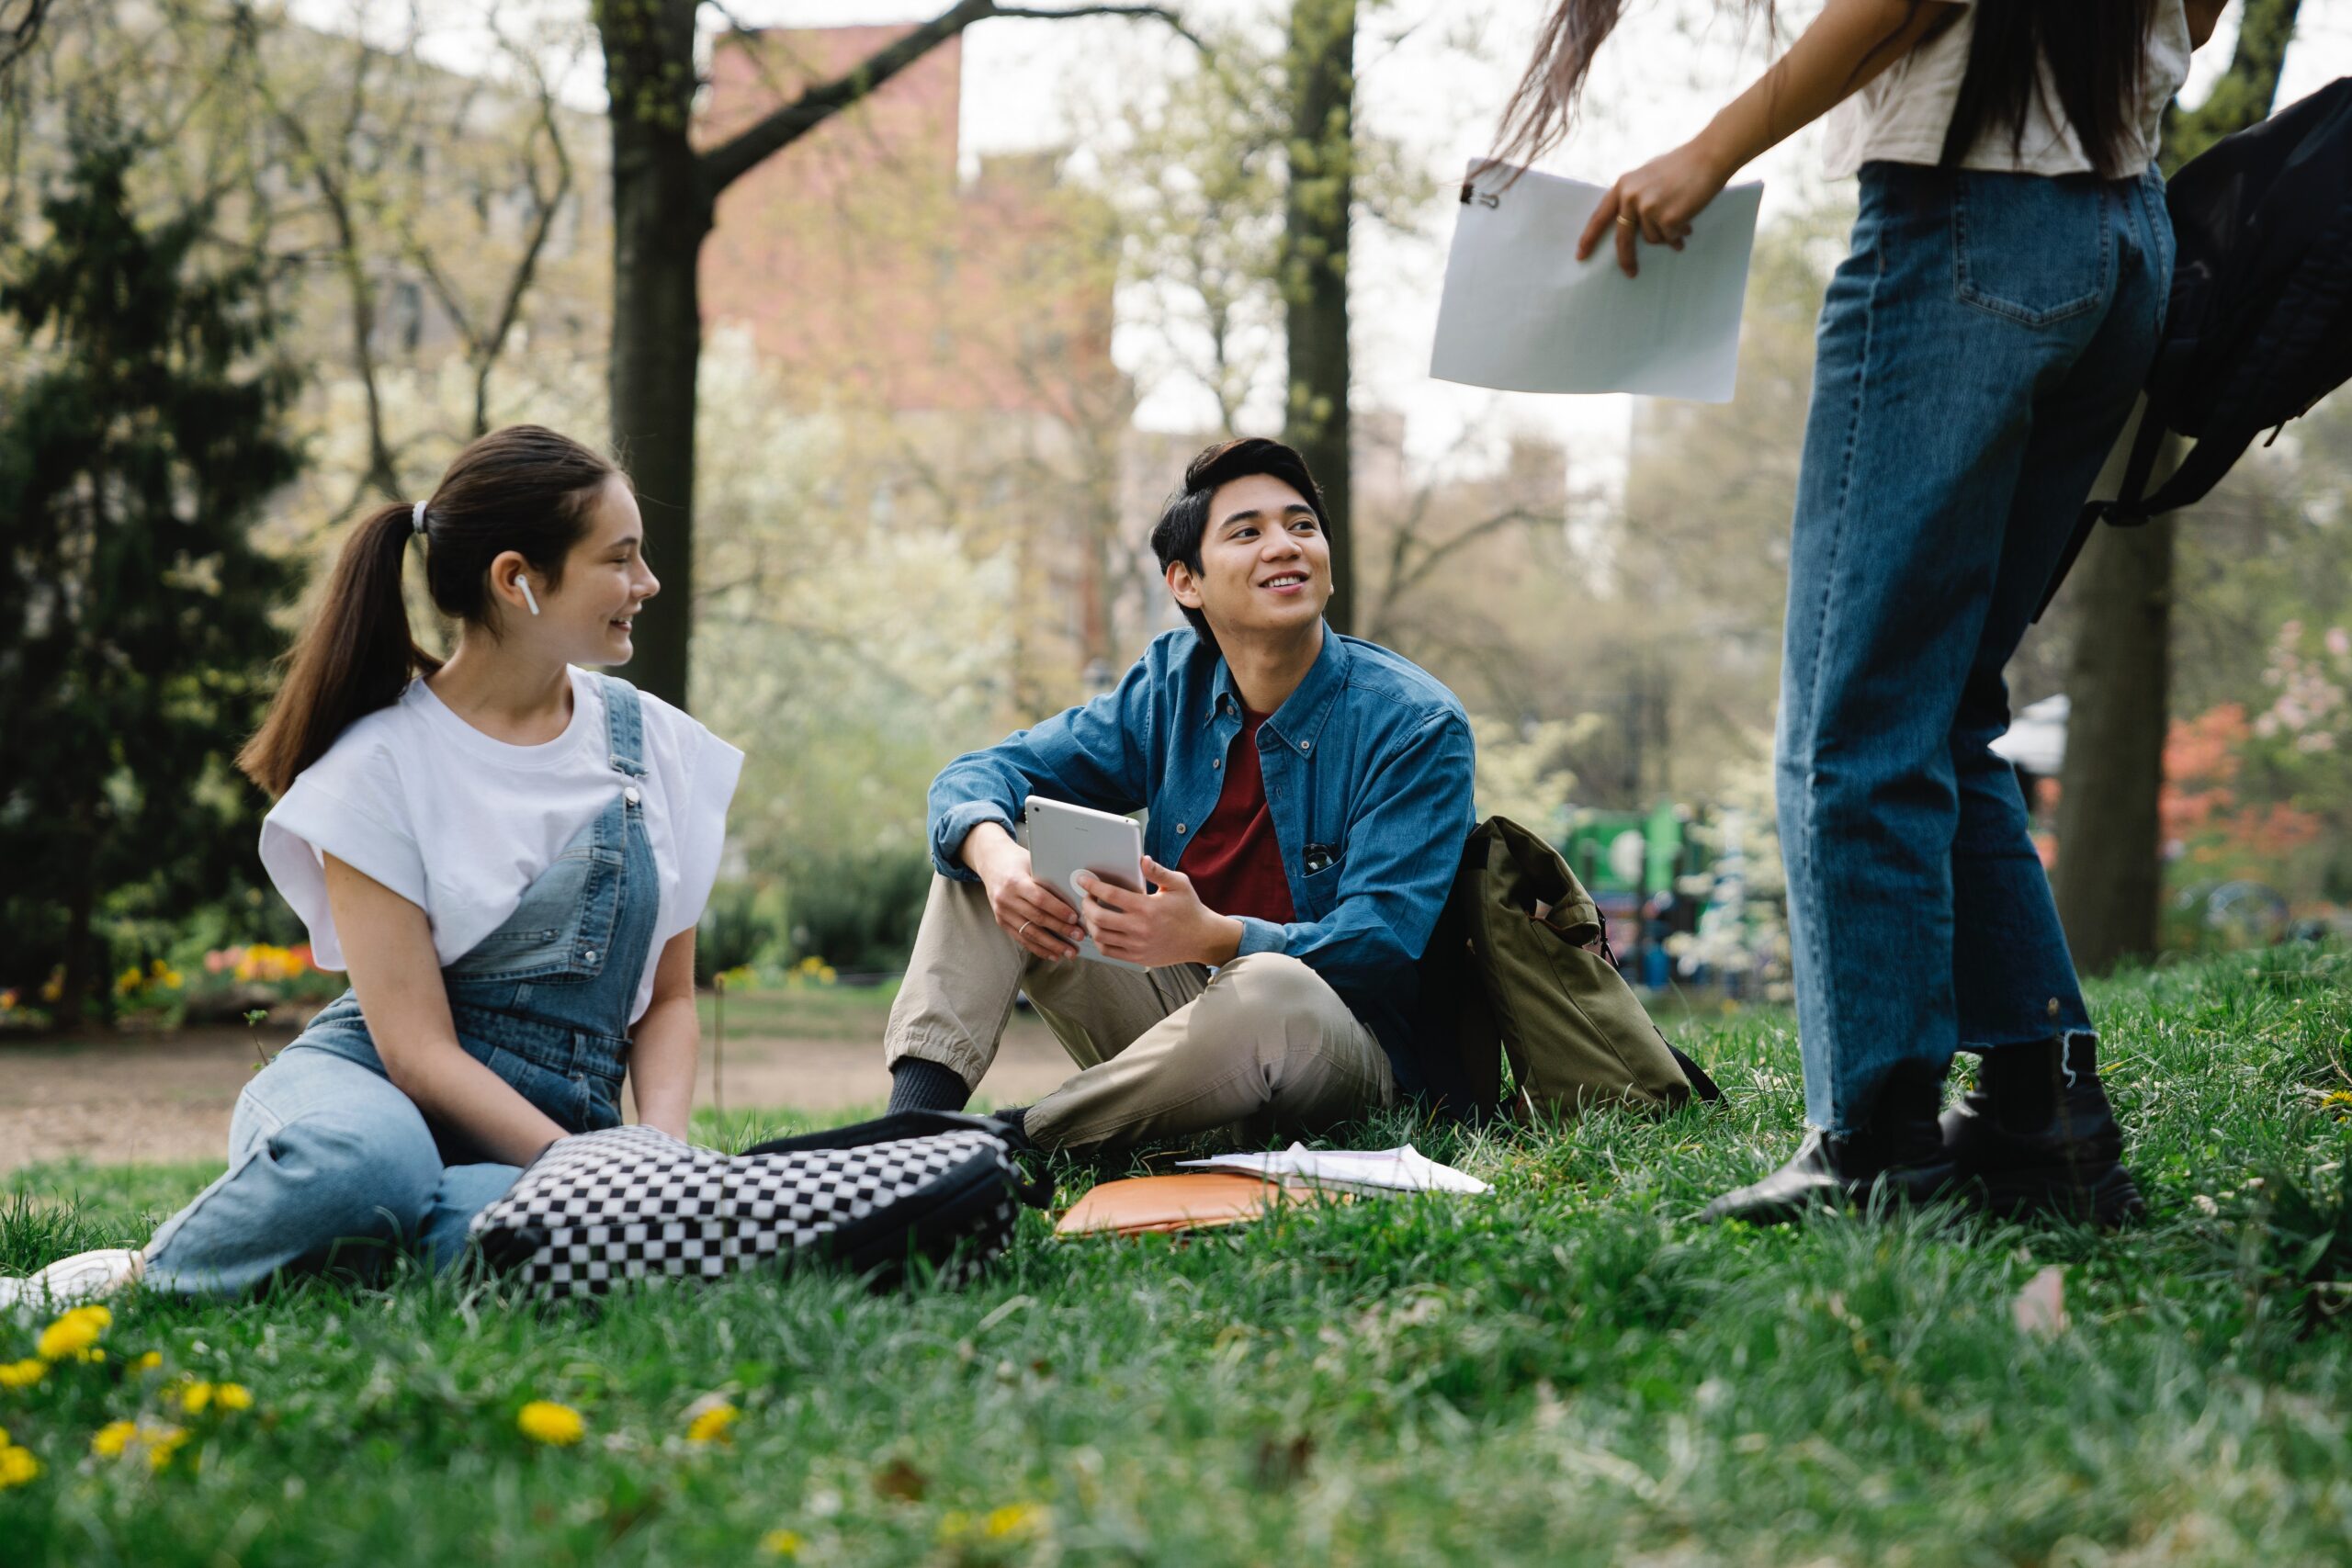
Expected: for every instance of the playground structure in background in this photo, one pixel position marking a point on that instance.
(1693, 898)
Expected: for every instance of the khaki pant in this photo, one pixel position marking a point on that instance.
(1162, 1053)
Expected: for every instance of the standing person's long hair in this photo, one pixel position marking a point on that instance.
(525, 489)
(2096, 51)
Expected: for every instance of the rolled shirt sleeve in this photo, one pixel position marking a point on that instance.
(1098, 754)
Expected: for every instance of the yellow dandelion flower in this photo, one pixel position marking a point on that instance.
(1013, 1518)
(16, 1467)
(147, 1362)
(125, 982)
(543, 1421)
(231, 1396)
(22, 1374)
(955, 1524)
(76, 1331)
(162, 1442)
(191, 1397)
(91, 1355)
(712, 1426)
(782, 1543)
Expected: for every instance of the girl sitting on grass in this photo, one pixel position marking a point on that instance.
(509, 855)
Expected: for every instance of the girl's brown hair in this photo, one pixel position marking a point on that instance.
(524, 489)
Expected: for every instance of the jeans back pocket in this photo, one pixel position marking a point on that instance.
(2034, 249)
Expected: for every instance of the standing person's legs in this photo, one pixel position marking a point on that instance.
(1965, 300)
(323, 1152)
(964, 973)
(2013, 980)
(2036, 1132)
(1266, 1038)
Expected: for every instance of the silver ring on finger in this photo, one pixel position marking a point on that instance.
(1024, 930)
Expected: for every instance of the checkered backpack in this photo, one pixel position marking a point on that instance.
(627, 1204)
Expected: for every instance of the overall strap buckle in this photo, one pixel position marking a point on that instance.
(624, 727)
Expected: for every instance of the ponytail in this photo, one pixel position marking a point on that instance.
(525, 489)
(355, 655)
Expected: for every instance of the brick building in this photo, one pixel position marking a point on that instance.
(964, 323)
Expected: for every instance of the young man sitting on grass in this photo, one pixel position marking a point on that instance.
(1309, 796)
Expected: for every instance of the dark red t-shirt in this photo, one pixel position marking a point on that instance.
(1234, 862)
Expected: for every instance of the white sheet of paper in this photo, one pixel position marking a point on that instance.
(1405, 1169)
(1522, 314)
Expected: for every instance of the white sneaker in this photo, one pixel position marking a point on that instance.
(85, 1277)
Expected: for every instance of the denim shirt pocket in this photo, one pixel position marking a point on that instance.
(2029, 248)
(1321, 889)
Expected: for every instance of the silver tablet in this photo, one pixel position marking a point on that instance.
(1065, 840)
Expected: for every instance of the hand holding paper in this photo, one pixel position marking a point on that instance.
(1520, 313)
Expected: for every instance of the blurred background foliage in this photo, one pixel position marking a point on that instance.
(933, 430)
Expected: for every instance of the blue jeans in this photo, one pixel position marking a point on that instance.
(325, 1157)
(1978, 354)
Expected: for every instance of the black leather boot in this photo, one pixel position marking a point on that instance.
(1898, 1156)
(2036, 1137)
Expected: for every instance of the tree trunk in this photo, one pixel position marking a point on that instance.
(661, 209)
(2109, 872)
(664, 203)
(1315, 266)
(81, 904)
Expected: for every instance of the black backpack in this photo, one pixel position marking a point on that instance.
(2259, 327)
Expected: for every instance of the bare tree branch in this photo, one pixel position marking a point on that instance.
(730, 160)
(549, 205)
(484, 346)
(17, 38)
(383, 471)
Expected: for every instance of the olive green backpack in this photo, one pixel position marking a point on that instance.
(1518, 969)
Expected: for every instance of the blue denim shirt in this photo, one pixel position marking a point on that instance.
(1368, 772)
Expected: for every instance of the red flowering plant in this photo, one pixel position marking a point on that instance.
(2265, 795)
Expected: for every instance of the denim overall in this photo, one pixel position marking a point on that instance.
(324, 1149)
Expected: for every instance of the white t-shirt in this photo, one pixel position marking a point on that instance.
(1900, 117)
(461, 824)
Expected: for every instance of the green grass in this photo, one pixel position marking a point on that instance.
(1569, 1370)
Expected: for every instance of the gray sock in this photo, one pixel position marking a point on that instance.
(919, 1085)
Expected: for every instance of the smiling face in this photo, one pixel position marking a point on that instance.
(586, 617)
(1265, 561)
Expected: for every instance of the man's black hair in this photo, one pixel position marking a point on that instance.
(1185, 518)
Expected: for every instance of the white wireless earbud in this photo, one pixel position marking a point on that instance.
(524, 584)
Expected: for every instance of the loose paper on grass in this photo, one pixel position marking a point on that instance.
(1405, 1169)
(1522, 314)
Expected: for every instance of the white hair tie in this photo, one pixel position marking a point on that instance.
(416, 519)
